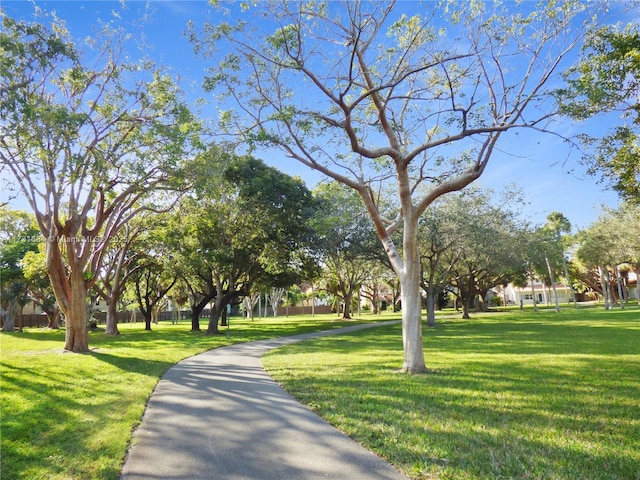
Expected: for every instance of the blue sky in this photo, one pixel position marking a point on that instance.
(542, 166)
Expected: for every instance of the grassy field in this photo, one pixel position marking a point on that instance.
(70, 416)
(510, 396)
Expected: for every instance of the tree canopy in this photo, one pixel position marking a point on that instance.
(88, 144)
(606, 80)
(246, 229)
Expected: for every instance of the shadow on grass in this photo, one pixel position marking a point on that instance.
(493, 420)
(70, 415)
(154, 368)
(49, 425)
(547, 397)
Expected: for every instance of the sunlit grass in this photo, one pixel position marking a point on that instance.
(70, 416)
(511, 395)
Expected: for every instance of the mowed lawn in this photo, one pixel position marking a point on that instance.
(70, 416)
(517, 395)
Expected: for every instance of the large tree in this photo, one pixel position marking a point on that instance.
(413, 93)
(344, 241)
(89, 145)
(242, 231)
(215, 254)
(488, 249)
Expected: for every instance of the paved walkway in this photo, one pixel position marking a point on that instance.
(219, 415)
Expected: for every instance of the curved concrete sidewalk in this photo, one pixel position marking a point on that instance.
(219, 415)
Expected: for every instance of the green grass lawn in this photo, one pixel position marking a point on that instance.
(516, 395)
(70, 416)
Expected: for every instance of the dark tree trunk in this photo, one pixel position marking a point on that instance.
(213, 329)
(147, 318)
(482, 305)
(432, 299)
(112, 318)
(195, 320)
(196, 310)
(53, 318)
(346, 312)
(466, 306)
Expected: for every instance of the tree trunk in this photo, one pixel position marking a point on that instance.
(412, 318)
(346, 311)
(147, 319)
(195, 319)
(250, 302)
(266, 305)
(214, 316)
(466, 295)
(482, 304)
(552, 278)
(521, 299)
(112, 318)
(53, 318)
(196, 310)
(411, 301)
(619, 282)
(77, 334)
(375, 309)
(276, 296)
(533, 294)
(20, 322)
(70, 291)
(10, 315)
(395, 294)
(408, 269)
(432, 299)
(608, 303)
(219, 304)
(466, 306)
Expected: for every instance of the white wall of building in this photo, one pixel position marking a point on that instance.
(544, 294)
